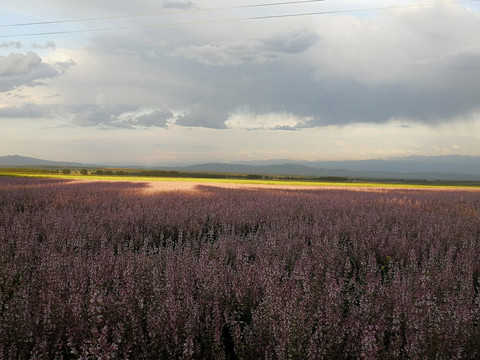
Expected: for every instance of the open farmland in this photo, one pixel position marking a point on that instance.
(128, 270)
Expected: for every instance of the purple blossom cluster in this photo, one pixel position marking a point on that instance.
(108, 271)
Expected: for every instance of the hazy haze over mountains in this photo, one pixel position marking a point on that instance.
(413, 167)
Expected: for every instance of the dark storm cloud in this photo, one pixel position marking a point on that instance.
(23, 70)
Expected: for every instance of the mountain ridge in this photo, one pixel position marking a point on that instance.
(450, 167)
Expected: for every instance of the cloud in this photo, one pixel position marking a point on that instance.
(23, 70)
(118, 116)
(93, 115)
(203, 116)
(63, 66)
(28, 110)
(256, 51)
(419, 64)
(101, 116)
(11, 44)
(340, 70)
(246, 120)
(177, 4)
(49, 45)
(159, 118)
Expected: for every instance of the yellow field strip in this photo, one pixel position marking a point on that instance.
(294, 183)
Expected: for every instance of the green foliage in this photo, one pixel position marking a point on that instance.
(332, 178)
(19, 171)
(159, 173)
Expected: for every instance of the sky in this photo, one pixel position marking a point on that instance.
(188, 81)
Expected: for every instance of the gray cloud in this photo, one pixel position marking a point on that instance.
(204, 116)
(92, 8)
(101, 116)
(342, 100)
(118, 116)
(374, 74)
(28, 110)
(336, 70)
(11, 44)
(23, 70)
(63, 66)
(93, 115)
(177, 4)
(357, 71)
(49, 45)
(283, 127)
(157, 118)
(256, 51)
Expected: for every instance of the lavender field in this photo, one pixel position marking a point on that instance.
(111, 271)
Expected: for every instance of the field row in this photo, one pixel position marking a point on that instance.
(226, 180)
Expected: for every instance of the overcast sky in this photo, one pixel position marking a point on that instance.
(208, 84)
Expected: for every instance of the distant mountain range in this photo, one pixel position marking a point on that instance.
(17, 160)
(414, 167)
